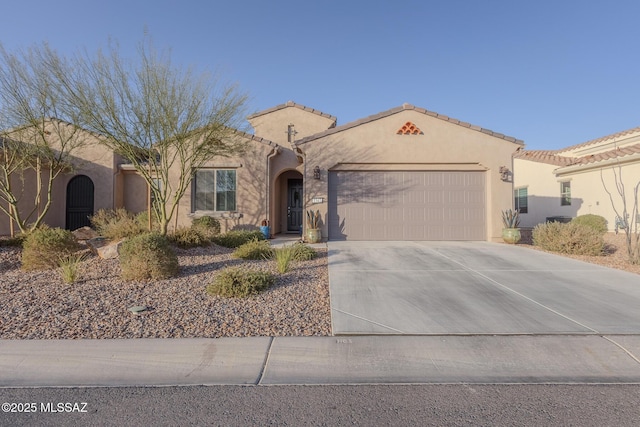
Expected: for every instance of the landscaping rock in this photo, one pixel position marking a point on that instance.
(84, 233)
(104, 248)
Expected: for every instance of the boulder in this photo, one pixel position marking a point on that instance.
(84, 233)
(104, 248)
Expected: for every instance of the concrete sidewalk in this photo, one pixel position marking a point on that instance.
(321, 360)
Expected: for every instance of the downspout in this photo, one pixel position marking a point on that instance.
(273, 153)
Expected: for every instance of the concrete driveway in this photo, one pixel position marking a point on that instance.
(475, 288)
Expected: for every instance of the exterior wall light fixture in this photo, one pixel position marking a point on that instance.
(505, 174)
(316, 172)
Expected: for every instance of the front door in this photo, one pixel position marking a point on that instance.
(79, 202)
(294, 205)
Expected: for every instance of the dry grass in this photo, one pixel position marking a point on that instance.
(615, 253)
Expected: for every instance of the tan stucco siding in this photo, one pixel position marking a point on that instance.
(89, 158)
(588, 193)
(543, 192)
(441, 146)
(273, 126)
(251, 190)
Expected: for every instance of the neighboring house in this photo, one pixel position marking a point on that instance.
(574, 181)
(403, 174)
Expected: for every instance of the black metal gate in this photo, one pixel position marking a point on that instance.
(79, 202)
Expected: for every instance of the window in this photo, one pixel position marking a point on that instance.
(521, 200)
(565, 193)
(214, 190)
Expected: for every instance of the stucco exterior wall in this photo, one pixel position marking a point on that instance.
(89, 158)
(588, 193)
(441, 146)
(273, 125)
(543, 192)
(251, 190)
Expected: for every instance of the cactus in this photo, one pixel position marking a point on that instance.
(313, 219)
(510, 218)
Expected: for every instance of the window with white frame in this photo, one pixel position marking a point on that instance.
(521, 202)
(214, 190)
(565, 193)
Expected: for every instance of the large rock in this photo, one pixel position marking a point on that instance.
(104, 248)
(84, 233)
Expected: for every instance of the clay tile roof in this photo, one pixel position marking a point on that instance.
(396, 110)
(551, 157)
(293, 104)
(602, 139)
(545, 156)
(611, 154)
(255, 138)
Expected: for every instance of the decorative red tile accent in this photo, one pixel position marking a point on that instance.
(409, 129)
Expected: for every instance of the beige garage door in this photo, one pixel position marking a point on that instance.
(409, 205)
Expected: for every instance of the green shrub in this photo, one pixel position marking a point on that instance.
(254, 249)
(44, 246)
(236, 238)
(568, 238)
(302, 252)
(188, 238)
(283, 257)
(240, 282)
(69, 266)
(207, 226)
(116, 224)
(147, 256)
(142, 219)
(597, 222)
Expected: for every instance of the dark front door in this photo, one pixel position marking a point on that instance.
(294, 205)
(79, 202)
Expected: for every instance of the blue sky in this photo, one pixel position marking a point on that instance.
(552, 73)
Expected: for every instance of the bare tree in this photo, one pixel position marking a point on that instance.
(167, 121)
(626, 213)
(35, 148)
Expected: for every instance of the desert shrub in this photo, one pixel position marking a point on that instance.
(254, 249)
(69, 267)
(236, 238)
(240, 282)
(568, 238)
(147, 256)
(283, 257)
(116, 224)
(188, 238)
(207, 226)
(44, 246)
(597, 222)
(302, 252)
(142, 219)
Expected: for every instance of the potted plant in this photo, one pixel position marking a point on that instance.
(313, 228)
(510, 232)
(264, 228)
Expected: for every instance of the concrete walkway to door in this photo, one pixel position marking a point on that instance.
(449, 288)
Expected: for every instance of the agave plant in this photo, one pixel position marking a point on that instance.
(510, 218)
(312, 219)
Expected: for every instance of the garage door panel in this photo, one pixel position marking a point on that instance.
(411, 205)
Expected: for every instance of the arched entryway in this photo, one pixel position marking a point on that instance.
(289, 202)
(79, 202)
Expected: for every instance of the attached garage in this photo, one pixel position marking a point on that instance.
(407, 205)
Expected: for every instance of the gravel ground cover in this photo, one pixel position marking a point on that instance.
(39, 305)
(615, 257)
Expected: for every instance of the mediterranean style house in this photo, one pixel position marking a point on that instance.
(403, 174)
(578, 180)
